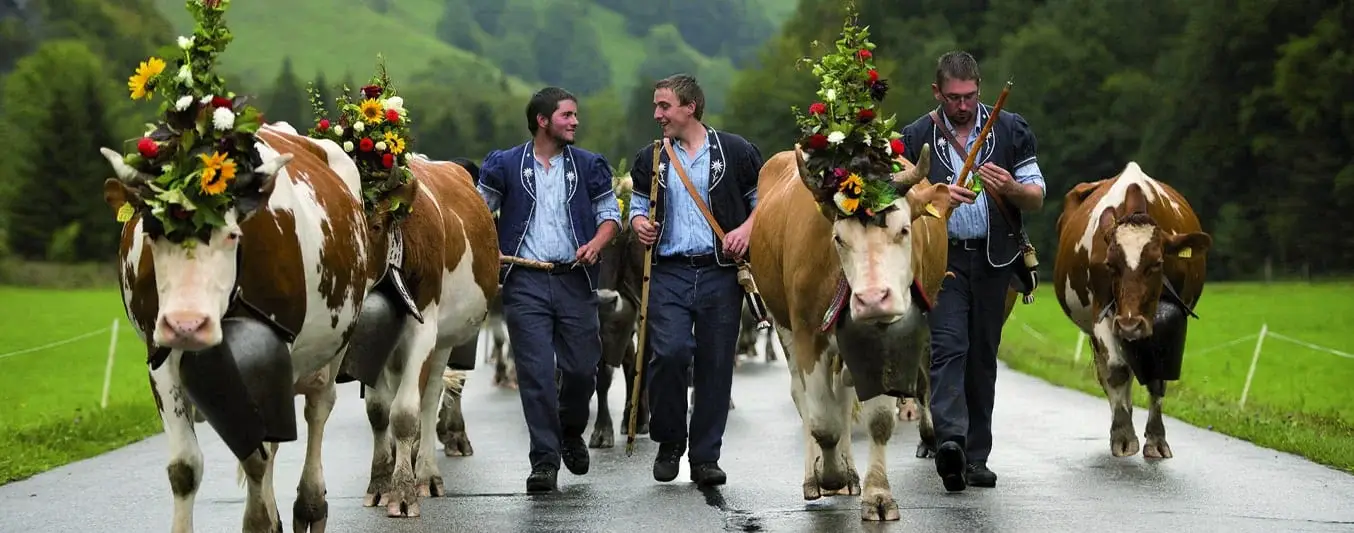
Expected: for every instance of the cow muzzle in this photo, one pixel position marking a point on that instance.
(876, 305)
(187, 330)
(1132, 328)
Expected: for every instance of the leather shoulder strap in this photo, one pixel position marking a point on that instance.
(681, 173)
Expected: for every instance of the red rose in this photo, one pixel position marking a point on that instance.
(864, 54)
(366, 145)
(388, 160)
(817, 108)
(372, 91)
(874, 75)
(865, 115)
(220, 101)
(324, 125)
(898, 147)
(148, 148)
(392, 116)
(817, 141)
(177, 211)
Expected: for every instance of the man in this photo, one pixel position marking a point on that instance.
(967, 320)
(556, 205)
(693, 282)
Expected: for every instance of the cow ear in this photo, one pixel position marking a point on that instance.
(1107, 218)
(404, 194)
(117, 194)
(1186, 245)
(933, 201)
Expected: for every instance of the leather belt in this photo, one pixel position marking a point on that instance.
(703, 260)
(562, 268)
(969, 244)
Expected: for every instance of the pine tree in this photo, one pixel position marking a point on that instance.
(288, 101)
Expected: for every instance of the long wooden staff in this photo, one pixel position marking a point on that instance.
(962, 179)
(643, 311)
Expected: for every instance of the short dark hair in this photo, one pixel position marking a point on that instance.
(545, 102)
(686, 89)
(957, 65)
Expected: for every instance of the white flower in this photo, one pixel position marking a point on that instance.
(205, 99)
(867, 139)
(347, 146)
(831, 95)
(836, 137)
(185, 42)
(380, 146)
(185, 75)
(338, 130)
(223, 118)
(358, 126)
(888, 148)
(395, 103)
(183, 103)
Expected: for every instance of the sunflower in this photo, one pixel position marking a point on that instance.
(852, 186)
(371, 111)
(394, 143)
(217, 171)
(144, 73)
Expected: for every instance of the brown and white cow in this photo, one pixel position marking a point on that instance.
(298, 256)
(1125, 245)
(450, 264)
(797, 259)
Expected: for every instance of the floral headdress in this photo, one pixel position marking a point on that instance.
(848, 150)
(189, 161)
(375, 132)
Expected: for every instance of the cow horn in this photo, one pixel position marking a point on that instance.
(271, 166)
(907, 178)
(812, 181)
(124, 172)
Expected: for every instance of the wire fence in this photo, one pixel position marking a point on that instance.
(112, 330)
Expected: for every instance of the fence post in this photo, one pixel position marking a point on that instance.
(1081, 340)
(1255, 358)
(108, 368)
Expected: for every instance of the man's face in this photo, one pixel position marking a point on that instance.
(959, 100)
(562, 123)
(670, 113)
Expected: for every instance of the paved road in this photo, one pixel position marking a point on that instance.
(1052, 456)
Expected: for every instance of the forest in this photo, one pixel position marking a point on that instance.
(1240, 104)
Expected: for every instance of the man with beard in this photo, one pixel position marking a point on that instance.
(966, 321)
(556, 205)
(694, 290)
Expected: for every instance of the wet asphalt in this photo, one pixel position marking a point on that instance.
(1052, 456)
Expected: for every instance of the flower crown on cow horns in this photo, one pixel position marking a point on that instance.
(848, 151)
(375, 132)
(186, 165)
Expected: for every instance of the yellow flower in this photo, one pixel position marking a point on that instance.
(394, 143)
(217, 172)
(852, 186)
(147, 70)
(372, 112)
(846, 203)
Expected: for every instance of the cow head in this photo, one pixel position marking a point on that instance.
(875, 251)
(194, 280)
(1135, 252)
(382, 214)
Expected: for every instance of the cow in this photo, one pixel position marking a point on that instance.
(291, 259)
(807, 264)
(1130, 268)
(618, 292)
(450, 269)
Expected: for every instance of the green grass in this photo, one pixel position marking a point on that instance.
(51, 414)
(1300, 399)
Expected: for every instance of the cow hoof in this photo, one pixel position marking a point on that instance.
(372, 500)
(925, 451)
(1124, 446)
(811, 490)
(1157, 449)
(457, 444)
(401, 509)
(434, 488)
(852, 487)
(317, 526)
(880, 507)
(602, 439)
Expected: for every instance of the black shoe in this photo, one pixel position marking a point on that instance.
(574, 455)
(978, 475)
(708, 474)
(950, 464)
(666, 464)
(542, 479)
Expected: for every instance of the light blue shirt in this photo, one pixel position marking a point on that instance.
(969, 221)
(686, 231)
(549, 234)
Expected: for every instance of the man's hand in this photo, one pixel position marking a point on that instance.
(644, 229)
(961, 195)
(736, 241)
(997, 180)
(588, 253)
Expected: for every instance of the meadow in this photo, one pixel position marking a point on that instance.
(1299, 400)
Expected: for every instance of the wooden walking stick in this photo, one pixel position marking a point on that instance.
(643, 310)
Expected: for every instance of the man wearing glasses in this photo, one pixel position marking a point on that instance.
(985, 242)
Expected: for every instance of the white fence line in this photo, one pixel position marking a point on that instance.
(1260, 337)
(108, 367)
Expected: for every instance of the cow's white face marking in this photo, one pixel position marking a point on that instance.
(1115, 196)
(1133, 239)
(877, 262)
(194, 286)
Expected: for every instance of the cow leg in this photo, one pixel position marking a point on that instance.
(185, 455)
(383, 448)
(642, 417)
(427, 475)
(824, 406)
(1156, 446)
(260, 504)
(876, 503)
(310, 512)
(406, 414)
(926, 428)
(451, 421)
(603, 431)
(1116, 377)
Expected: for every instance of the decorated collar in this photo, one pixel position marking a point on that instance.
(938, 140)
(527, 165)
(717, 165)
